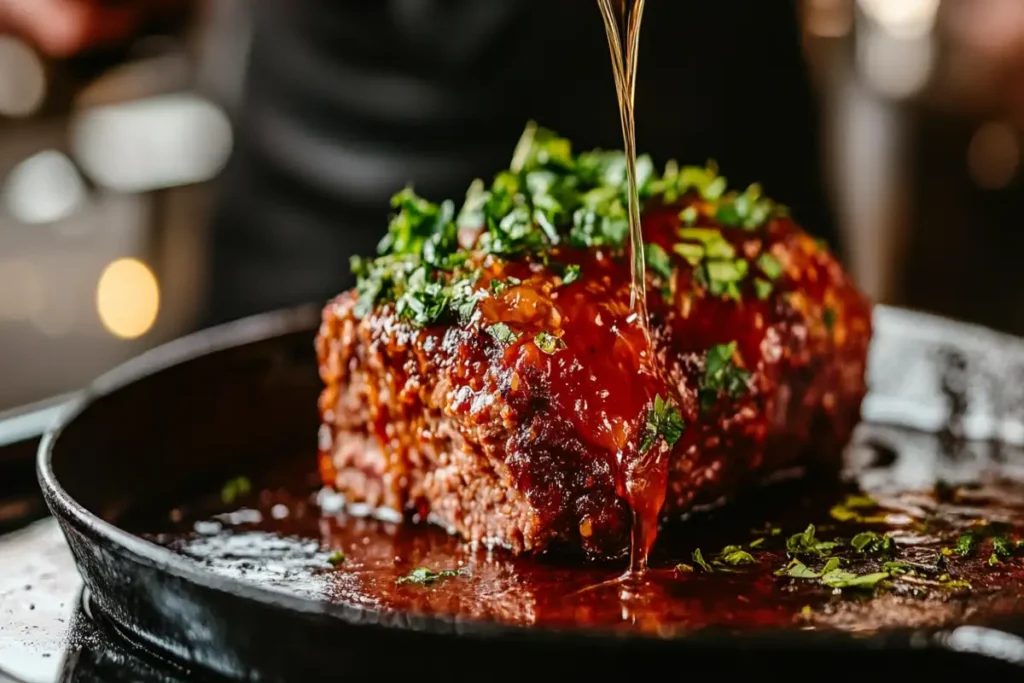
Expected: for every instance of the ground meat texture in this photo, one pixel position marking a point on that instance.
(515, 440)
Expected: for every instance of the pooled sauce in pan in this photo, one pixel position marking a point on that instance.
(811, 554)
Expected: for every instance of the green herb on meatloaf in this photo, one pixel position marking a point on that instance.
(548, 343)
(664, 421)
(721, 376)
(549, 197)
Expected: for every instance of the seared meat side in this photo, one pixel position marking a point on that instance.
(488, 374)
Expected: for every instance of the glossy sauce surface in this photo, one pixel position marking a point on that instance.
(566, 424)
(279, 537)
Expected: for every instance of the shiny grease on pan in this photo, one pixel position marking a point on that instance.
(905, 556)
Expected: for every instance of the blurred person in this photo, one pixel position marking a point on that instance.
(348, 101)
(62, 28)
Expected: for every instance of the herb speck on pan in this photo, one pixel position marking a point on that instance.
(424, 576)
(234, 489)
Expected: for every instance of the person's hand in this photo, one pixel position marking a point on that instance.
(62, 28)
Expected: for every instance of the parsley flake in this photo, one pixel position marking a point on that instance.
(870, 542)
(571, 274)
(503, 334)
(769, 265)
(693, 253)
(234, 489)
(829, 318)
(1002, 547)
(425, 576)
(548, 343)
(498, 287)
(657, 259)
(966, 544)
(806, 543)
(336, 558)
(762, 288)
(549, 196)
(698, 558)
(837, 578)
(721, 375)
(737, 557)
(664, 421)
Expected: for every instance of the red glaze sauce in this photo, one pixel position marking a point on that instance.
(566, 427)
(279, 538)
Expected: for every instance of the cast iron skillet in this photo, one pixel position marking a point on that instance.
(191, 413)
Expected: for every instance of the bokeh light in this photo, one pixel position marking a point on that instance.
(128, 298)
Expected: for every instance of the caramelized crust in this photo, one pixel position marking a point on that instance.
(508, 443)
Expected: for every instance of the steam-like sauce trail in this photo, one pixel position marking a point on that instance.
(622, 26)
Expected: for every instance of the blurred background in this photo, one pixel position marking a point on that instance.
(108, 166)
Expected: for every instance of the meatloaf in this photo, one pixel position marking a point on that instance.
(489, 374)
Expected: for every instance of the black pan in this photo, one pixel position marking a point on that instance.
(201, 409)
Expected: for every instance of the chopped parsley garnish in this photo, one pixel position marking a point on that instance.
(234, 489)
(704, 236)
(684, 568)
(806, 543)
(873, 543)
(698, 558)
(424, 301)
(464, 297)
(829, 318)
(966, 544)
(757, 542)
(762, 288)
(657, 259)
(799, 570)
(1002, 547)
(689, 215)
(899, 567)
(424, 576)
(548, 343)
(336, 558)
(721, 375)
(549, 196)
(503, 334)
(498, 287)
(420, 227)
(769, 265)
(831, 575)
(849, 510)
(714, 259)
(664, 421)
(693, 253)
(747, 210)
(733, 557)
(570, 274)
(837, 578)
(724, 277)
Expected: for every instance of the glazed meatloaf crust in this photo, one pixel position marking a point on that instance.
(489, 373)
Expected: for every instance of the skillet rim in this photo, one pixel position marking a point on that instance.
(265, 327)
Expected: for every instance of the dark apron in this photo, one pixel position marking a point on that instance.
(347, 101)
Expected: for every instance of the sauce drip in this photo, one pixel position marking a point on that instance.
(645, 478)
(284, 536)
(622, 25)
